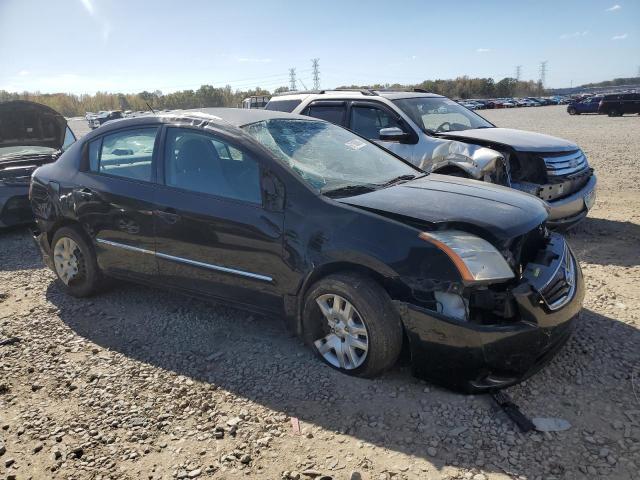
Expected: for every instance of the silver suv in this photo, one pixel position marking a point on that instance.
(439, 135)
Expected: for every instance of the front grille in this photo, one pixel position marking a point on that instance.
(563, 164)
(559, 290)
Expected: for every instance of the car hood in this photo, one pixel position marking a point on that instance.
(501, 212)
(519, 140)
(31, 124)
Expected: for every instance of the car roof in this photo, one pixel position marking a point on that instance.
(236, 116)
(352, 94)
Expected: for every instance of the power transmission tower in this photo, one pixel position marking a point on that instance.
(316, 73)
(638, 70)
(543, 73)
(292, 79)
(518, 72)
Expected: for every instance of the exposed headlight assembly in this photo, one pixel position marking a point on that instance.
(476, 259)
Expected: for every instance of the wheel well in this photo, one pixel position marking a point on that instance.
(393, 288)
(64, 222)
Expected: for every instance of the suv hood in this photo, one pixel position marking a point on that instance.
(501, 212)
(31, 124)
(519, 140)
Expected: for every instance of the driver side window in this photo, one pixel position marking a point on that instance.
(203, 163)
(367, 121)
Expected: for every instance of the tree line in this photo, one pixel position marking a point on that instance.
(208, 96)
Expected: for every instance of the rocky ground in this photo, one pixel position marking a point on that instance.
(140, 383)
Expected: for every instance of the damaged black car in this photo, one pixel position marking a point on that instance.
(31, 135)
(362, 253)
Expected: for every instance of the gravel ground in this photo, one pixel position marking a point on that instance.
(140, 383)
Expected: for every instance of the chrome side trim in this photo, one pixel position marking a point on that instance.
(218, 268)
(124, 246)
(195, 263)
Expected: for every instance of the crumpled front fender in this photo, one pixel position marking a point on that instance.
(477, 161)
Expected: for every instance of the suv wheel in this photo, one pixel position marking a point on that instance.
(352, 325)
(75, 262)
(614, 113)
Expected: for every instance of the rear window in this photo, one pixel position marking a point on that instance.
(282, 105)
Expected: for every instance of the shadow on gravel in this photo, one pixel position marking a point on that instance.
(254, 358)
(17, 250)
(606, 242)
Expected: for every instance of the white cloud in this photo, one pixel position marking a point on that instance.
(22, 73)
(483, 50)
(564, 36)
(88, 6)
(253, 60)
(614, 8)
(620, 37)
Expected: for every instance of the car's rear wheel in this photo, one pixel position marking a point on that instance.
(572, 111)
(614, 113)
(74, 262)
(350, 322)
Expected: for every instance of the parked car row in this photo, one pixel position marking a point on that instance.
(473, 104)
(614, 105)
(352, 241)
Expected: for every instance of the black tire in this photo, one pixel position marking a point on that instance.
(614, 113)
(572, 111)
(382, 321)
(89, 278)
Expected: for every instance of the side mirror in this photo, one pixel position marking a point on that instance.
(393, 134)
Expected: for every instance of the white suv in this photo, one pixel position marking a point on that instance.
(439, 135)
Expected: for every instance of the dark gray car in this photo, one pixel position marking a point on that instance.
(439, 135)
(31, 135)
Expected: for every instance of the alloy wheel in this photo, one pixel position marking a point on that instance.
(67, 259)
(347, 343)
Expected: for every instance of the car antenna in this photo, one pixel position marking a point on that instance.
(152, 110)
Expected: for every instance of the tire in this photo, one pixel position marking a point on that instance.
(374, 321)
(614, 113)
(70, 248)
(572, 111)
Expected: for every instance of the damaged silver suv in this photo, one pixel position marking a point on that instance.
(439, 135)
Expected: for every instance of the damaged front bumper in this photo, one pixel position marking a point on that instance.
(474, 357)
(15, 208)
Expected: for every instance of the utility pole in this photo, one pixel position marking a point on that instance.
(543, 73)
(316, 73)
(292, 79)
(518, 72)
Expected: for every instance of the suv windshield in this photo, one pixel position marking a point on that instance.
(328, 157)
(440, 115)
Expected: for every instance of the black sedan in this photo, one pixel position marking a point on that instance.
(360, 251)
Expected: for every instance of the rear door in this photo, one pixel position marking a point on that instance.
(213, 234)
(334, 111)
(115, 200)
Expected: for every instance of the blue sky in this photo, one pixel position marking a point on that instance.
(82, 46)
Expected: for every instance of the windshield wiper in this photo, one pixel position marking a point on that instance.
(401, 178)
(348, 190)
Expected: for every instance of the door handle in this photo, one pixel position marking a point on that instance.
(169, 215)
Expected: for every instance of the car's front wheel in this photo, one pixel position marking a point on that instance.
(614, 113)
(74, 262)
(572, 111)
(350, 322)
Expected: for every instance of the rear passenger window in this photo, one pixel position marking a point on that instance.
(331, 113)
(125, 154)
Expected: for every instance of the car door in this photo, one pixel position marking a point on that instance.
(334, 111)
(114, 200)
(368, 118)
(214, 235)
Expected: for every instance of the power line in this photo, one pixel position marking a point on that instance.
(316, 73)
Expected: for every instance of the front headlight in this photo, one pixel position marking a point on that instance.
(476, 259)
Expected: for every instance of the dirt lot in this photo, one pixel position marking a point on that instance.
(140, 383)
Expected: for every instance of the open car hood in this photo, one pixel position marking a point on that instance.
(519, 140)
(501, 212)
(31, 124)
